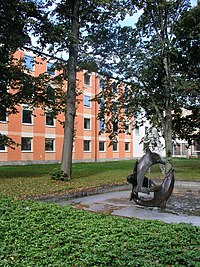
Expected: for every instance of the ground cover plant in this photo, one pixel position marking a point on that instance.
(38, 234)
(34, 180)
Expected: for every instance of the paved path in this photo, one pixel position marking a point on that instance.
(186, 196)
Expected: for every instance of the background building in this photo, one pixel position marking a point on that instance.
(41, 136)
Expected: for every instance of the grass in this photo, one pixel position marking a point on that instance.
(38, 234)
(34, 180)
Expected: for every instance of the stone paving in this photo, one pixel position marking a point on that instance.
(183, 205)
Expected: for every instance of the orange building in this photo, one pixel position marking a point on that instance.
(41, 136)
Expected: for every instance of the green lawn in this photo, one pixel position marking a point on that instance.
(33, 180)
(37, 234)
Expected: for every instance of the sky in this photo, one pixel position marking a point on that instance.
(131, 20)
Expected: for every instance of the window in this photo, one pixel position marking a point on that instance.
(86, 124)
(26, 144)
(87, 101)
(127, 146)
(101, 125)
(50, 69)
(3, 114)
(115, 147)
(28, 62)
(102, 145)
(27, 115)
(115, 126)
(137, 131)
(2, 147)
(86, 145)
(51, 93)
(49, 144)
(87, 78)
(146, 129)
(101, 84)
(50, 119)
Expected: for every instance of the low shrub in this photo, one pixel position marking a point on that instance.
(37, 234)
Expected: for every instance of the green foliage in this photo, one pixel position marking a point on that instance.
(156, 60)
(57, 174)
(39, 234)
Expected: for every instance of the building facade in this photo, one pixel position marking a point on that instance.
(41, 137)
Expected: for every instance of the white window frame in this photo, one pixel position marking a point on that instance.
(24, 150)
(87, 101)
(24, 107)
(127, 150)
(89, 142)
(87, 124)
(52, 139)
(49, 125)
(84, 79)
(104, 146)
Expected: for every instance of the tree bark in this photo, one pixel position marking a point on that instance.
(66, 163)
(168, 113)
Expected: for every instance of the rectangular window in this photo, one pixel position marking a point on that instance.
(101, 84)
(137, 131)
(3, 114)
(87, 101)
(26, 144)
(27, 115)
(115, 147)
(101, 125)
(86, 124)
(127, 146)
(115, 127)
(50, 69)
(102, 145)
(50, 121)
(86, 145)
(87, 79)
(28, 62)
(2, 148)
(49, 144)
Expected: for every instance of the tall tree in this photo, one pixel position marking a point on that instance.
(151, 61)
(69, 31)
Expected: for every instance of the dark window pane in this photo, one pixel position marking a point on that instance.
(86, 145)
(49, 119)
(102, 146)
(86, 124)
(27, 116)
(26, 143)
(87, 79)
(49, 144)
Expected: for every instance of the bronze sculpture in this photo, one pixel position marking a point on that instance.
(140, 183)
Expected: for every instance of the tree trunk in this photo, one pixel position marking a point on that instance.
(66, 163)
(168, 139)
(168, 112)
